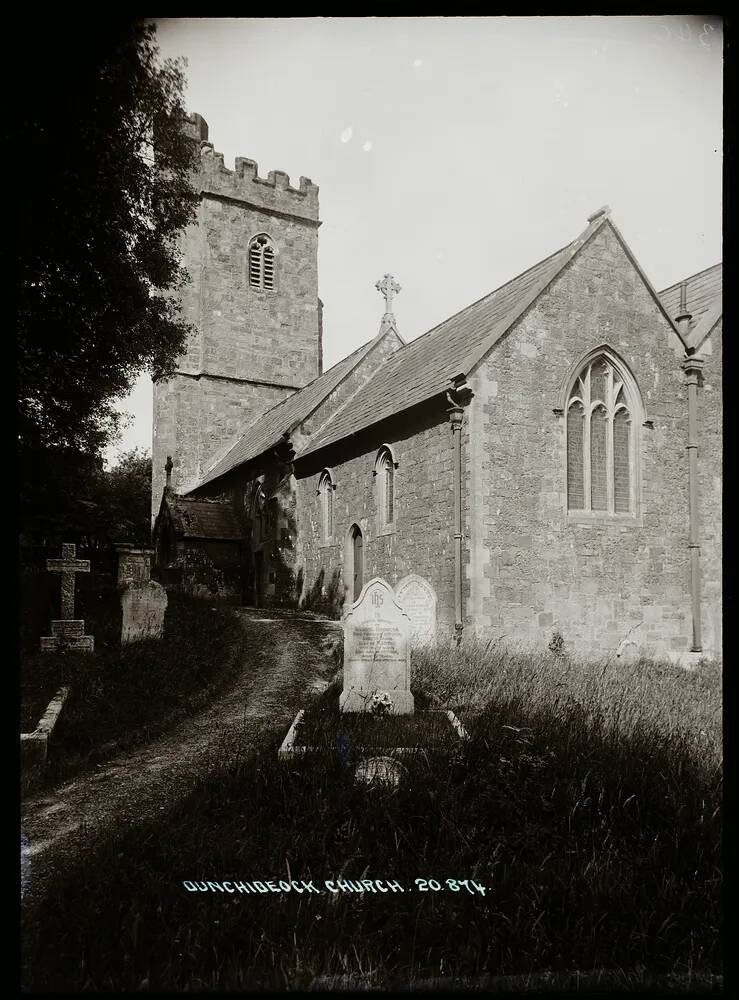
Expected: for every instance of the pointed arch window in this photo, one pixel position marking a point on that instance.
(601, 439)
(385, 467)
(326, 493)
(262, 255)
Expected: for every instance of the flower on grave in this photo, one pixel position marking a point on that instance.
(381, 703)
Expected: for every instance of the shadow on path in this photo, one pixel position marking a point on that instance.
(285, 658)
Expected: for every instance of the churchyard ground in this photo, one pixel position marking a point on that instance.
(577, 833)
(123, 696)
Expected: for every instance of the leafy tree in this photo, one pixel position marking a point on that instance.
(128, 498)
(105, 189)
(77, 500)
(61, 494)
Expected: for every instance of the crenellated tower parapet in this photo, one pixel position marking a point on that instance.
(273, 192)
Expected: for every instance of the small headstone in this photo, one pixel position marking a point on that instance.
(377, 655)
(68, 633)
(417, 598)
(143, 606)
(143, 601)
(379, 771)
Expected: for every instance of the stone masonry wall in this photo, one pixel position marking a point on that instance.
(211, 569)
(710, 449)
(532, 568)
(250, 347)
(251, 333)
(279, 486)
(422, 541)
(195, 419)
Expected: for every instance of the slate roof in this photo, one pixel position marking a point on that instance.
(212, 519)
(431, 364)
(428, 365)
(703, 293)
(268, 429)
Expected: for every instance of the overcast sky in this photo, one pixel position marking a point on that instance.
(456, 152)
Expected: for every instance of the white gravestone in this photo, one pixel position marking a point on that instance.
(377, 654)
(417, 598)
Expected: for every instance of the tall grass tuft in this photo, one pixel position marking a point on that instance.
(620, 696)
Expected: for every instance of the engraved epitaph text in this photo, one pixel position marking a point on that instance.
(376, 651)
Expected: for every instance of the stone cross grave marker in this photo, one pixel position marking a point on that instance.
(417, 598)
(67, 633)
(377, 655)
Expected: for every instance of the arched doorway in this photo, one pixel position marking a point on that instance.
(357, 556)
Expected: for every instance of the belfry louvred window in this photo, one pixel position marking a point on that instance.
(262, 262)
(601, 445)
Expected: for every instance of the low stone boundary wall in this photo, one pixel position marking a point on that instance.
(34, 746)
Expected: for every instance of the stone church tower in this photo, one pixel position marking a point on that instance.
(252, 299)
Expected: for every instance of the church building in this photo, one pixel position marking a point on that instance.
(548, 459)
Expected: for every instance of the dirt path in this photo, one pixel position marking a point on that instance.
(286, 659)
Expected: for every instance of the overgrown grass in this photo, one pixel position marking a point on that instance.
(326, 727)
(590, 812)
(618, 696)
(122, 696)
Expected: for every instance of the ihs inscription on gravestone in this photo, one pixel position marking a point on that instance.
(67, 633)
(417, 598)
(376, 651)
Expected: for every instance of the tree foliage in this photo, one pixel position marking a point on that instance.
(105, 191)
(77, 500)
(128, 498)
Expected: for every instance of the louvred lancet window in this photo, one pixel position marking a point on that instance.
(600, 441)
(262, 262)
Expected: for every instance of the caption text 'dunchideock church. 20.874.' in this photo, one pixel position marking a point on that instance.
(337, 886)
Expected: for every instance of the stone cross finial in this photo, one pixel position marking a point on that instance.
(68, 566)
(389, 288)
(168, 469)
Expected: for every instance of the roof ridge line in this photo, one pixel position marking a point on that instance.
(472, 359)
(221, 455)
(358, 355)
(650, 287)
(493, 292)
(380, 335)
(675, 284)
(228, 448)
(573, 246)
